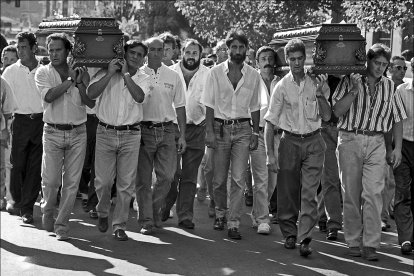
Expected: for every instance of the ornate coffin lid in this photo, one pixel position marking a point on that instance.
(305, 33)
(70, 25)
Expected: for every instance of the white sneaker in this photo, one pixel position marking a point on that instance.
(263, 228)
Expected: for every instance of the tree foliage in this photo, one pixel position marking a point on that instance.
(259, 19)
(379, 15)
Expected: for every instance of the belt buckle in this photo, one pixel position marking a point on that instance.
(302, 136)
(31, 116)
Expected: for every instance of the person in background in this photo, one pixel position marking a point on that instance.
(8, 57)
(404, 173)
(367, 107)
(264, 180)
(169, 48)
(27, 126)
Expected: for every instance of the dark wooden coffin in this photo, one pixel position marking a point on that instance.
(95, 40)
(335, 49)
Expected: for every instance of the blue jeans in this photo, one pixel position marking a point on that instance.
(232, 147)
(61, 150)
(361, 160)
(116, 155)
(331, 194)
(158, 152)
(301, 162)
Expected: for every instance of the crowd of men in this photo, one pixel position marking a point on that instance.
(152, 127)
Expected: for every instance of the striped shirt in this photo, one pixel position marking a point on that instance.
(407, 95)
(376, 112)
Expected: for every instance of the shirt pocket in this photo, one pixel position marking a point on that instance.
(311, 109)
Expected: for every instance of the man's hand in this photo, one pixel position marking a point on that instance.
(355, 81)
(394, 158)
(181, 145)
(320, 81)
(113, 66)
(81, 74)
(210, 140)
(124, 66)
(254, 142)
(272, 162)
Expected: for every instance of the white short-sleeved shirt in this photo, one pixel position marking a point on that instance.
(68, 108)
(229, 103)
(22, 83)
(265, 98)
(195, 110)
(166, 92)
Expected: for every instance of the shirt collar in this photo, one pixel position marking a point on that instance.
(19, 63)
(226, 66)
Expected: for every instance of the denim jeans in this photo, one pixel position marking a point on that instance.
(361, 160)
(403, 202)
(26, 159)
(300, 162)
(116, 155)
(260, 185)
(62, 150)
(184, 186)
(232, 147)
(331, 194)
(158, 152)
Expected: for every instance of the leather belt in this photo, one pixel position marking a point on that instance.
(364, 132)
(306, 135)
(30, 116)
(332, 124)
(123, 127)
(231, 122)
(91, 115)
(64, 126)
(275, 131)
(152, 124)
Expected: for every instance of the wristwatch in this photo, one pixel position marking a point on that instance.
(70, 79)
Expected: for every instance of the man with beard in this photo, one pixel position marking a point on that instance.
(367, 107)
(297, 105)
(120, 90)
(231, 101)
(164, 103)
(27, 126)
(193, 76)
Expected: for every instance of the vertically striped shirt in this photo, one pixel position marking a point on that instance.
(376, 112)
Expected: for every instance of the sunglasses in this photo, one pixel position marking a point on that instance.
(399, 67)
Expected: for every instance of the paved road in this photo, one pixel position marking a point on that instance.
(28, 250)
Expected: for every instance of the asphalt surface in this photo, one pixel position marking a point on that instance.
(29, 250)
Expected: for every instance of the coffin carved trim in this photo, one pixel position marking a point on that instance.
(360, 54)
(79, 48)
(119, 48)
(98, 23)
(319, 53)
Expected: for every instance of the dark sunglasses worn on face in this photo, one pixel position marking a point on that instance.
(399, 67)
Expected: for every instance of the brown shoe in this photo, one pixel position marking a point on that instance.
(290, 242)
(103, 224)
(354, 252)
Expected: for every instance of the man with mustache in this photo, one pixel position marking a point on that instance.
(231, 101)
(193, 76)
(367, 107)
(120, 90)
(264, 180)
(298, 104)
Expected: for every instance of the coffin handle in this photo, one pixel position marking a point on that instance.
(99, 38)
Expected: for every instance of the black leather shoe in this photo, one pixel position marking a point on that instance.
(27, 218)
(305, 249)
(188, 224)
(120, 235)
(234, 233)
(219, 224)
(103, 224)
(290, 242)
(406, 248)
(332, 235)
